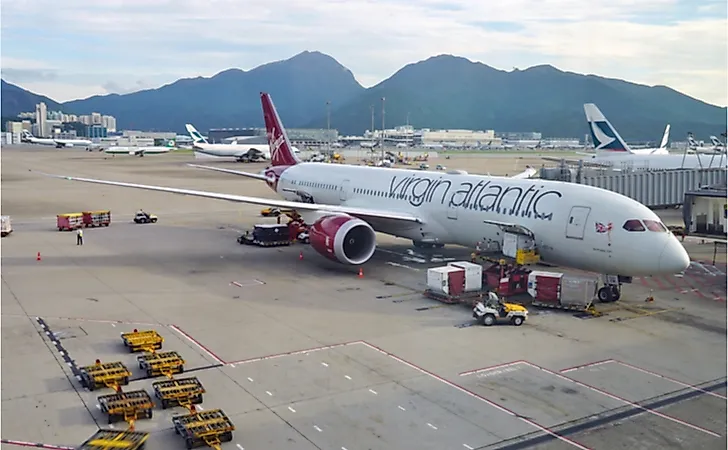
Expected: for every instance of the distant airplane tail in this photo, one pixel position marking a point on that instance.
(603, 134)
(281, 150)
(665, 137)
(195, 135)
(691, 142)
(716, 142)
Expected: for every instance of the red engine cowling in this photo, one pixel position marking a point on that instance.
(343, 239)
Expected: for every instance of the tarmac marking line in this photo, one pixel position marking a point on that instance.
(665, 377)
(269, 393)
(373, 391)
(315, 427)
(477, 396)
(291, 409)
(347, 377)
(324, 364)
(431, 426)
(198, 344)
(497, 366)
(584, 366)
(623, 400)
(400, 407)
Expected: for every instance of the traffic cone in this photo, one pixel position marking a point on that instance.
(361, 272)
(300, 256)
(37, 257)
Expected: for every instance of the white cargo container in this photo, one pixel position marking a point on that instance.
(473, 274)
(446, 280)
(513, 242)
(5, 226)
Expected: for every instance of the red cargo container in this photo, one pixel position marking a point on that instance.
(68, 222)
(96, 218)
(456, 282)
(545, 287)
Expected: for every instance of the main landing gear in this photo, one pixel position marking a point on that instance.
(612, 290)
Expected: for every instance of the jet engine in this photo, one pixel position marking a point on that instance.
(343, 239)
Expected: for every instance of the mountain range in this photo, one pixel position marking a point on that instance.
(441, 92)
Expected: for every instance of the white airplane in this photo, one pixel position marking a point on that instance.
(717, 144)
(239, 151)
(617, 155)
(607, 140)
(140, 151)
(697, 147)
(574, 225)
(25, 136)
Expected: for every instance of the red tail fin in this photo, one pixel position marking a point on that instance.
(281, 151)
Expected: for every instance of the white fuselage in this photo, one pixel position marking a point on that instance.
(137, 150)
(634, 152)
(564, 217)
(230, 150)
(80, 142)
(663, 162)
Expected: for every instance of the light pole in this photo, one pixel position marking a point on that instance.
(328, 126)
(382, 128)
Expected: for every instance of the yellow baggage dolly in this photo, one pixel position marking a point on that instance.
(182, 392)
(127, 406)
(147, 340)
(164, 363)
(209, 428)
(112, 375)
(115, 439)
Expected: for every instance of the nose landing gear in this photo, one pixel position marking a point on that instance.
(612, 290)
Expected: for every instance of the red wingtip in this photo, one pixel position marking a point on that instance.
(281, 153)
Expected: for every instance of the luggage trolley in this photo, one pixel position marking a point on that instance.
(182, 392)
(112, 375)
(147, 340)
(209, 428)
(115, 439)
(164, 363)
(127, 406)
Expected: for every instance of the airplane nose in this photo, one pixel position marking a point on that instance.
(674, 258)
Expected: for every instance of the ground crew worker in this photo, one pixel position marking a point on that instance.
(79, 237)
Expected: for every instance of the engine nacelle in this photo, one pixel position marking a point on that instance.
(343, 239)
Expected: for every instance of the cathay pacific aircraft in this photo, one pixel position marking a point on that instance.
(574, 225)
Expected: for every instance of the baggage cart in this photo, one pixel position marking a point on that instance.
(111, 375)
(147, 340)
(179, 392)
(115, 439)
(96, 218)
(209, 428)
(69, 222)
(468, 298)
(127, 406)
(164, 363)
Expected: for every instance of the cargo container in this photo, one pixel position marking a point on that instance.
(473, 275)
(267, 235)
(562, 291)
(513, 242)
(96, 218)
(6, 225)
(68, 222)
(446, 280)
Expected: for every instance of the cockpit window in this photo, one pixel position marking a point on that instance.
(633, 225)
(655, 225)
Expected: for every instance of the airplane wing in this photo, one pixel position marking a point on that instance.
(358, 212)
(230, 171)
(528, 173)
(586, 163)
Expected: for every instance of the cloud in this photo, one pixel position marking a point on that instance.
(122, 46)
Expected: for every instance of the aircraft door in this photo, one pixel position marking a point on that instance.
(344, 193)
(452, 213)
(577, 222)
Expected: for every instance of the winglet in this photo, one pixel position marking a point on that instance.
(281, 150)
(603, 134)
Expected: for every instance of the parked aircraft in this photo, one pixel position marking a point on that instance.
(241, 152)
(698, 147)
(25, 136)
(607, 140)
(574, 225)
(616, 154)
(140, 151)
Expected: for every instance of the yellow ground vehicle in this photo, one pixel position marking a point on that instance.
(494, 310)
(275, 212)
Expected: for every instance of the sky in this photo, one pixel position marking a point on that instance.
(77, 48)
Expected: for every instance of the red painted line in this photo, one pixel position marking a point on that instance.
(584, 366)
(665, 377)
(484, 369)
(197, 343)
(479, 397)
(36, 445)
(643, 281)
(657, 281)
(295, 352)
(625, 401)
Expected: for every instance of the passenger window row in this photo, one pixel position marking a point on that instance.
(647, 224)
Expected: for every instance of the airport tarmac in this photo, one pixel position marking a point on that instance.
(305, 354)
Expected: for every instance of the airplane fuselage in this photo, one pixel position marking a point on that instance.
(569, 221)
(664, 162)
(230, 150)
